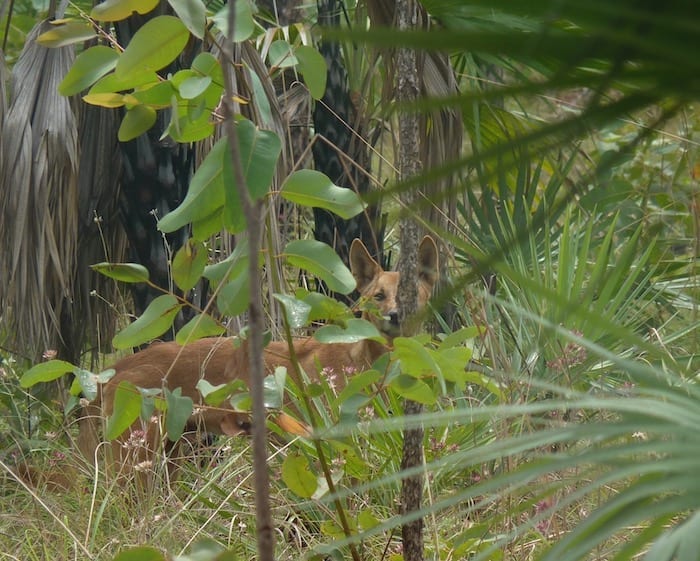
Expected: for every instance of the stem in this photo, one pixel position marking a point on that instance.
(253, 211)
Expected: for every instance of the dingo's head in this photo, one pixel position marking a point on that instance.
(380, 287)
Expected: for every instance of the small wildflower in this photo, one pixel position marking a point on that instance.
(49, 354)
(543, 526)
(572, 354)
(137, 439)
(143, 466)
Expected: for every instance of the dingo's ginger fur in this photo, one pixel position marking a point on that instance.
(218, 361)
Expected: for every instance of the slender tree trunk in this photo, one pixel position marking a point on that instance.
(253, 211)
(408, 89)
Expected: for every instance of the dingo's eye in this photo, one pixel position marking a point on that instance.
(380, 297)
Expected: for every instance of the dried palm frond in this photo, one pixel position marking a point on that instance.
(38, 182)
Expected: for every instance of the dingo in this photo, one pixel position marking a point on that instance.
(218, 361)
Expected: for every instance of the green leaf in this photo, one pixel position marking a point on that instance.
(140, 553)
(87, 382)
(156, 319)
(260, 150)
(321, 261)
(155, 45)
(312, 188)
(125, 272)
(295, 310)
(273, 388)
(280, 55)
(245, 24)
(194, 86)
(108, 100)
(312, 66)
(234, 297)
(158, 95)
(193, 14)
(201, 325)
(366, 520)
(188, 264)
(66, 32)
(324, 307)
(127, 407)
(356, 329)
(216, 395)
(46, 372)
(179, 411)
(205, 194)
(117, 10)
(413, 389)
(111, 83)
(88, 67)
(297, 475)
(416, 360)
(137, 121)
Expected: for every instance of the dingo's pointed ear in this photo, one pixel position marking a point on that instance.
(428, 261)
(363, 267)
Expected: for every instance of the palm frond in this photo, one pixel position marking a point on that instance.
(39, 183)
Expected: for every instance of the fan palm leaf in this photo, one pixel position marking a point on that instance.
(38, 180)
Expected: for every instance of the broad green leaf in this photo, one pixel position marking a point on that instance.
(414, 389)
(312, 188)
(360, 383)
(245, 24)
(281, 55)
(261, 102)
(193, 14)
(125, 272)
(234, 265)
(66, 32)
(234, 296)
(156, 319)
(297, 475)
(194, 86)
(207, 64)
(356, 329)
(46, 372)
(140, 553)
(88, 67)
(109, 100)
(321, 261)
(113, 84)
(127, 407)
(188, 264)
(205, 194)
(260, 150)
(324, 307)
(158, 95)
(295, 310)
(216, 395)
(117, 10)
(137, 121)
(416, 360)
(366, 520)
(312, 66)
(87, 383)
(201, 325)
(273, 388)
(180, 409)
(155, 45)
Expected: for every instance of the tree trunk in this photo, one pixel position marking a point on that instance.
(408, 89)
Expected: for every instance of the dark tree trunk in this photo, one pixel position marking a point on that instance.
(337, 153)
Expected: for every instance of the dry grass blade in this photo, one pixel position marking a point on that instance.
(39, 181)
